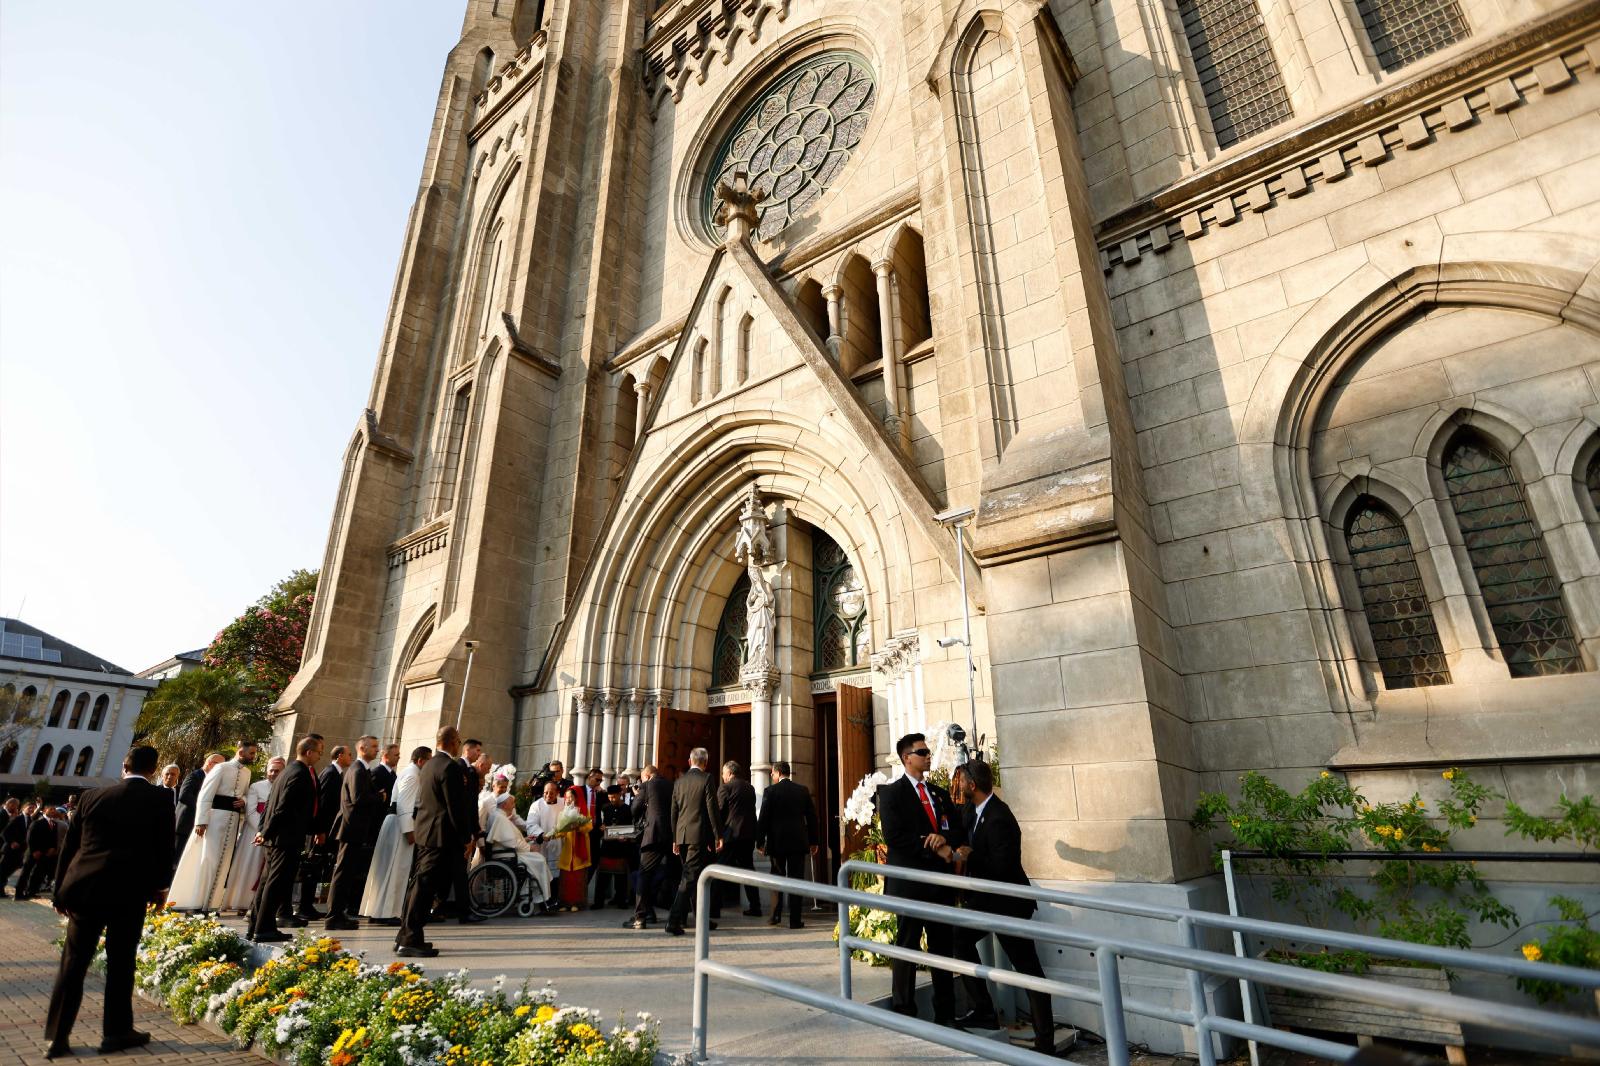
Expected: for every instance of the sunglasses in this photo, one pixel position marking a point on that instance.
(923, 752)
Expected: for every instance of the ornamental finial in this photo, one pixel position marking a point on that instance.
(738, 211)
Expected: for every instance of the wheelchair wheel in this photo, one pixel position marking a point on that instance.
(492, 888)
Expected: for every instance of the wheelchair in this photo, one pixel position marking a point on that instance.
(499, 883)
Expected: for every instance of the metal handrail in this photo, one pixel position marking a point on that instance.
(1107, 950)
(1451, 958)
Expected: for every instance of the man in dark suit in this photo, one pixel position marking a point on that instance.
(471, 752)
(786, 832)
(14, 842)
(384, 774)
(361, 810)
(696, 833)
(188, 798)
(652, 813)
(446, 831)
(736, 799)
(994, 853)
(920, 827)
(117, 858)
(285, 825)
(317, 864)
(44, 848)
(171, 775)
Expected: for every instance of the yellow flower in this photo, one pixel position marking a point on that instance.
(522, 1010)
(1472, 819)
(1420, 805)
(1399, 834)
(1449, 775)
(546, 1012)
(1430, 847)
(1532, 952)
(1325, 774)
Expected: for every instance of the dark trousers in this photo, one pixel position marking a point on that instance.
(903, 978)
(33, 875)
(313, 869)
(274, 888)
(433, 870)
(740, 854)
(1025, 960)
(790, 866)
(653, 868)
(695, 860)
(10, 863)
(349, 879)
(122, 928)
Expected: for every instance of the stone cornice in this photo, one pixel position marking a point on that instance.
(689, 36)
(419, 542)
(515, 77)
(1512, 71)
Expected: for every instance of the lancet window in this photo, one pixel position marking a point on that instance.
(1393, 598)
(728, 657)
(843, 635)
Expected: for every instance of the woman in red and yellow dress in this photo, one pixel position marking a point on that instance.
(573, 890)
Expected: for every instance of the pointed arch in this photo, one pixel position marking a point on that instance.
(41, 761)
(421, 631)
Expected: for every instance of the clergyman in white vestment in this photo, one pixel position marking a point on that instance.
(542, 815)
(385, 891)
(248, 856)
(200, 882)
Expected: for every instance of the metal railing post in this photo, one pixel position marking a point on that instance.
(1245, 996)
(702, 953)
(1197, 1000)
(1116, 1027)
(844, 950)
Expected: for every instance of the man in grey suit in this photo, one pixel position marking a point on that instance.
(696, 833)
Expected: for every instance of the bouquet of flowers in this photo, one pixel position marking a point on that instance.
(572, 820)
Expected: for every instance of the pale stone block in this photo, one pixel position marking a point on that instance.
(1510, 208)
(1098, 678)
(1078, 735)
(1109, 790)
(1024, 688)
(1393, 208)
(1086, 572)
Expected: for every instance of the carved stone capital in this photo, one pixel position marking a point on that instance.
(760, 681)
(610, 699)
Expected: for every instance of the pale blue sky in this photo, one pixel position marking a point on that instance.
(201, 206)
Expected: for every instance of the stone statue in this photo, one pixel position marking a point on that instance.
(761, 622)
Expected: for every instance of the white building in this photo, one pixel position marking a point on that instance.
(73, 714)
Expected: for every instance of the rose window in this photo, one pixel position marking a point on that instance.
(795, 139)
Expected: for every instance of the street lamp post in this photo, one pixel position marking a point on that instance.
(958, 518)
(466, 680)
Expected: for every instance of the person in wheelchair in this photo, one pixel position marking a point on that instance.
(507, 870)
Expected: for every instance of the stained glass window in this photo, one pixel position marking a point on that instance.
(728, 657)
(1403, 31)
(795, 139)
(1237, 71)
(1393, 598)
(1520, 591)
(843, 637)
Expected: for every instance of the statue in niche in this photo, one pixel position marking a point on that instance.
(761, 620)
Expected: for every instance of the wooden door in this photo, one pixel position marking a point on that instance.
(731, 733)
(854, 745)
(677, 734)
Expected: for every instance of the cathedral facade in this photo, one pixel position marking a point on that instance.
(1260, 337)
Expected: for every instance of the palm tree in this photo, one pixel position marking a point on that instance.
(201, 711)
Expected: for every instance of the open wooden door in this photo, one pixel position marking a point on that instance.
(677, 734)
(854, 750)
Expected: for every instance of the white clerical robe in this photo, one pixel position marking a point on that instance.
(248, 856)
(541, 831)
(201, 879)
(385, 891)
(504, 837)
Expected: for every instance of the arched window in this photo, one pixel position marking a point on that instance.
(79, 705)
(41, 761)
(863, 326)
(85, 757)
(697, 379)
(839, 600)
(1403, 31)
(626, 416)
(63, 760)
(1233, 59)
(1591, 480)
(741, 364)
(728, 657)
(98, 717)
(1393, 599)
(911, 289)
(813, 308)
(1520, 591)
(25, 702)
(8, 757)
(58, 709)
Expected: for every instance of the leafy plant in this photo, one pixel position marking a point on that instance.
(1571, 944)
(264, 644)
(201, 711)
(1579, 822)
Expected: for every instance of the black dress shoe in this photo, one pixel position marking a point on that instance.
(135, 1038)
(797, 925)
(416, 953)
(635, 923)
(59, 1051)
(674, 930)
(295, 921)
(383, 921)
(471, 919)
(271, 936)
(773, 919)
(311, 915)
(752, 912)
(339, 923)
(975, 1020)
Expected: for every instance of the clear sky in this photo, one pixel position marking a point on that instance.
(201, 210)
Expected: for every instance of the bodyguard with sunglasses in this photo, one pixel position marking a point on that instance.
(921, 828)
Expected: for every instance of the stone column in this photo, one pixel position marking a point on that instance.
(884, 270)
(654, 701)
(609, 699)
(761, 683)
(833, 294)
(630, 762)
(641, 390)
(580, 736)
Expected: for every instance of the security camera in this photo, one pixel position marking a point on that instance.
(951, 642)
(954, 516)
(470, 644)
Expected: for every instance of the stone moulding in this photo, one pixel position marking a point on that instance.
(1303, 163)
(420, 542)
(685, 41)
(514, 77)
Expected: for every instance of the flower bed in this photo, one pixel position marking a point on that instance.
(319, 1005)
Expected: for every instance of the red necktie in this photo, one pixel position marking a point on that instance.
(933, 819)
